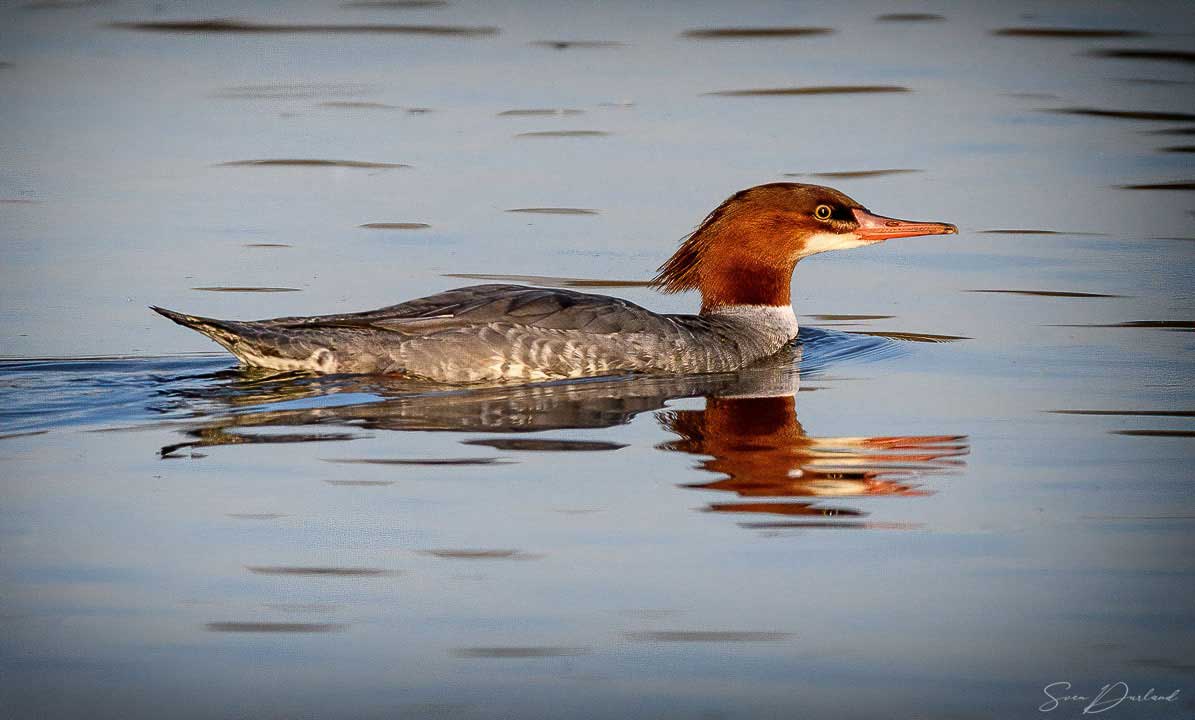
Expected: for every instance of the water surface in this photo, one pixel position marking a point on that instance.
(969, 479)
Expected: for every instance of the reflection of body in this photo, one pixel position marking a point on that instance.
(751, 435)
(748, 430)
(763, 451)
(741, 259)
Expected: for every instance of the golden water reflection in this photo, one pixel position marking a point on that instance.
(748, 436)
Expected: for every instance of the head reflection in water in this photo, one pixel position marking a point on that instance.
(762, 451)
(747, 434)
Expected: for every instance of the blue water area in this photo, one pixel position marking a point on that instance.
(964, 492)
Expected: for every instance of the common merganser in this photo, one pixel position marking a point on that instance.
(740, 258)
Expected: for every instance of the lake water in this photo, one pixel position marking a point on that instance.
(970, 481)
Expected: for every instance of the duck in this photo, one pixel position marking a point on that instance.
(740, 258)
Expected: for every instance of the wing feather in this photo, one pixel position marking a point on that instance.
(549, 309)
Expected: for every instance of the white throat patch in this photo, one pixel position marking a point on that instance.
(823, 242)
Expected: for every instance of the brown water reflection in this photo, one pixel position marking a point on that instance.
(756, 32)
(1177, 185)
(1174, 325)
(1156, 433)
(1179, 56)
(274, 627)
(546, 444)
(566, 44)
(257, 28)
(1048, 293)
(813, 90)
(1052, 32)
(306, 162)
(770, 527)
(417, 461)
(1130, 413)
(851, 317)
(784, 508)
(563, 134)
(1152, 115)
(218, 436)
(320, 571)
(394, 4)
(246, 289)
(1052, 537)
(748, 434)
(707, 636)
(761, 449)
(910, 17)
(553, 211)
(854, 174)
(395, 226)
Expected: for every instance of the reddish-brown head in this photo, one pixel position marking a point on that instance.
(744, 252)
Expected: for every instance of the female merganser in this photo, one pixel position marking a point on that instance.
(741, 258)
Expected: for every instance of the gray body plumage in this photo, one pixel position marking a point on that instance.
(489, 333)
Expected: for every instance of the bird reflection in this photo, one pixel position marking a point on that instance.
(761, 451)
(747, 435)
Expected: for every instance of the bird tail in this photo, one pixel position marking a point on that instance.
(228, 334)
(260, 344)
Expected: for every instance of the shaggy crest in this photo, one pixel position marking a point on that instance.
(679, 273)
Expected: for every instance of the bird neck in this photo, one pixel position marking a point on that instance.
(742, 282)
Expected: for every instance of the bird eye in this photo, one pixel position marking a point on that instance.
(822, 212)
